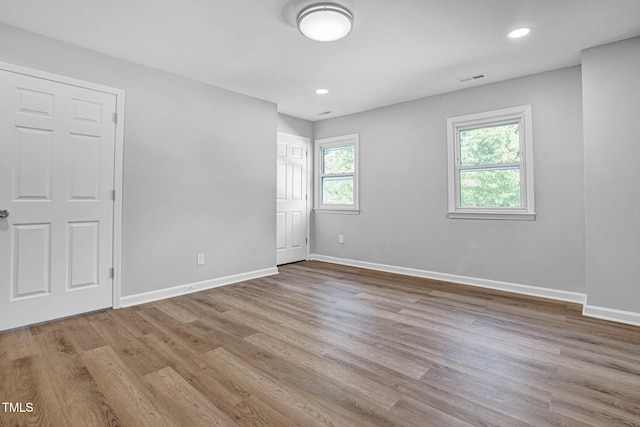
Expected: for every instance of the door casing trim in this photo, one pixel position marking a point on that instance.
(118, 159)
(309, 183)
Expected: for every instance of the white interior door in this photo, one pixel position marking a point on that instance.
(57, 145)
(292, 210)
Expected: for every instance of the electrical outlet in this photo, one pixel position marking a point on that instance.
(340, 238)
(200, 259)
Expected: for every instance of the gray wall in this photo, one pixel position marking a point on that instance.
(611, 88)
(199, 176)
(199, 167)
(295, 126)
(403, 185)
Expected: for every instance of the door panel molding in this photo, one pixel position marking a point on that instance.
(39, 103)
(293, 225)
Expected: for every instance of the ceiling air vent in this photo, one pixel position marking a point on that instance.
(324, 113)
(469, 78)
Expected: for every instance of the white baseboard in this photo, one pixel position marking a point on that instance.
(535, 291)
(620, 316)
(145, 297)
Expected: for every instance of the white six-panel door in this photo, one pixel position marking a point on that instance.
(56, 180)
(292, 211)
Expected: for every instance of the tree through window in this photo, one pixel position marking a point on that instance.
(490, 165)
(337, 180)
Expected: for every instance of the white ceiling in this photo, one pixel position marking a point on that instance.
(398, 50)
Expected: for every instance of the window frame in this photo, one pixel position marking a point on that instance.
(331, 143)
(520, 115)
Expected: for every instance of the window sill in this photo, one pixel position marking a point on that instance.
(508, 216)
(337, 211)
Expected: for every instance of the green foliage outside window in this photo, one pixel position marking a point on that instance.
(498, 183)
(490, 188)
(338, 189)
(338, 160)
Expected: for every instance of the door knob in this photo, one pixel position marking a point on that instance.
(4, 213)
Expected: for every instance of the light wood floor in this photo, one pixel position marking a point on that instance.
(321, 344)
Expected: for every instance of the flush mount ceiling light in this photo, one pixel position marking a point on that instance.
(519, 32)
(322, 91)
(325, 22)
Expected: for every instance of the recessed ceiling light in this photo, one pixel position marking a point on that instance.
(322, 91)
(519, 32)
(325, 22)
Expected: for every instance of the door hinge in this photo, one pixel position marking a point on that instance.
(115, 117)
(113, 195)
(111, 272)
(306, 240)
(305, 196)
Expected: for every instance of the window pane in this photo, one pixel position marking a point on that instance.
(338, 160)
(490, 188)
(490, 145)
(337, 190)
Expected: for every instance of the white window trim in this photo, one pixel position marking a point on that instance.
(335, 142)
(522, 115)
